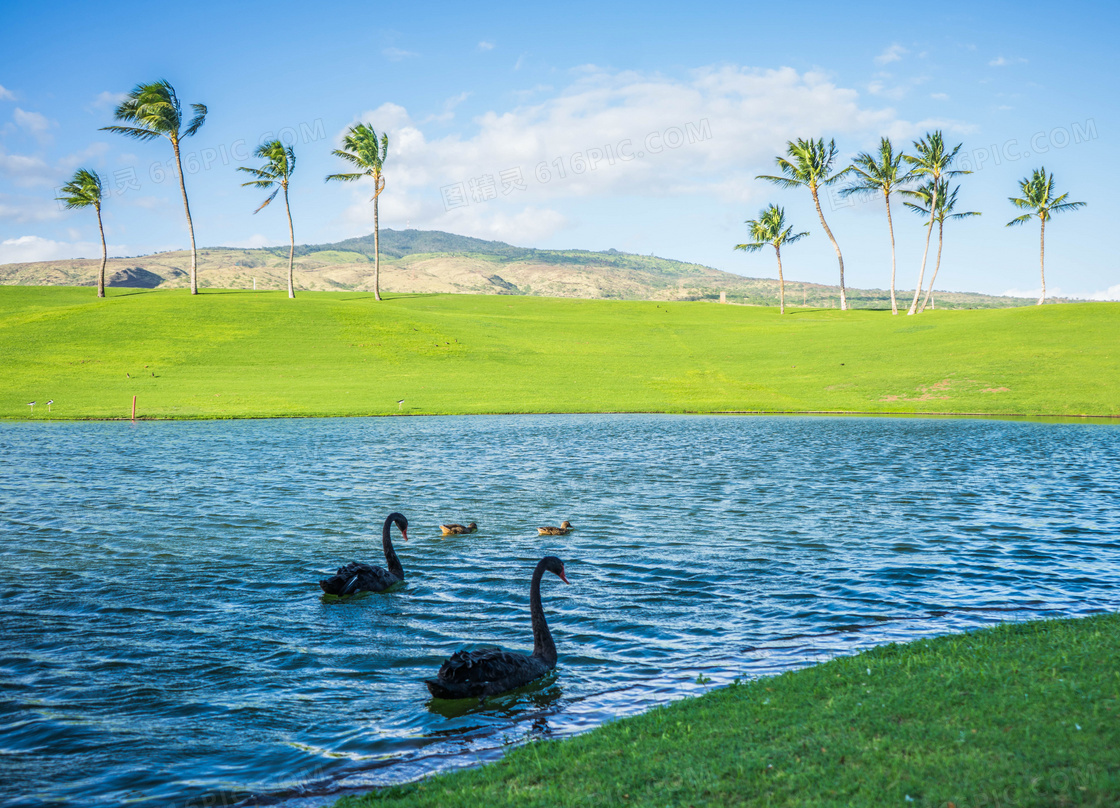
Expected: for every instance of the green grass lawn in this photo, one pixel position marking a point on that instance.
(227, 354)
(1020, 715)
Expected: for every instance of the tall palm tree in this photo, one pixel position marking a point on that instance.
(86, 189)
(363, 149)
(810, 166)
(1038, 197)
(770, 228)
(154, 111)
(275, 174)
(880, 173)
(933, 161)
(944, 201)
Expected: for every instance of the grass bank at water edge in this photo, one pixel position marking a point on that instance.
(232, 354)
(1021, 714)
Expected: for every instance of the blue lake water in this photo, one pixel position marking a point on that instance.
(163, 640)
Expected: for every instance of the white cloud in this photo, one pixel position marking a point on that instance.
(258, 240)
(1111, 293)
(708, 133)
(106, 100)
(485, 46)
(449, 108)
(1053, 291)
(22, 209)
(35, 248)
(892, 54)
(1001, 61)
(395, 54)
(939, 96)
(32, 122)
(6, 94)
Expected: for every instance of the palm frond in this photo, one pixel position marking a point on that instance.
(196, 122)
(344, 177)
(265, 203)
(133, 132)
(84, 189)
(754, 246)
(1026, 217)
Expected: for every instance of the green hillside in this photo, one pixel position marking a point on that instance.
(421, 261)
(241, 354)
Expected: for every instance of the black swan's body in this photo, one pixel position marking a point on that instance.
(489, 671)
(359, 577)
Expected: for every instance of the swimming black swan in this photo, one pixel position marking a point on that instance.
(358, 577)
(486, 672)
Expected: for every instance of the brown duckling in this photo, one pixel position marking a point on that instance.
(458, 530)
(564, 529)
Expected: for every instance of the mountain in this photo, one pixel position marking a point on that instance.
(433, 261)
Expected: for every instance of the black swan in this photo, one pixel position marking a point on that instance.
(358, 577)
(489, 671)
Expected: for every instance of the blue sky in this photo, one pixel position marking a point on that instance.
(634, 126)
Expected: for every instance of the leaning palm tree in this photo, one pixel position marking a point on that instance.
(86, 189)
(363, 150)
(154, 111)
(933, 161)
(944, 201)
(275, 174)
(1038, 197)
(810, 166)
(880, 174)
(770, 228)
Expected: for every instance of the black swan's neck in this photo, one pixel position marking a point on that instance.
(392, 563)
(543, 646)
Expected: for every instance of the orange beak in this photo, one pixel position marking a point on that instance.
(563, 577)
(404, 533)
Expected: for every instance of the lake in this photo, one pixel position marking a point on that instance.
(163, 639)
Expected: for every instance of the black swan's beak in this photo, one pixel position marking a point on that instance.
(404, 533)
(563, 577)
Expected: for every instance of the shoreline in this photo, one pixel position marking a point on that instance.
(987, 416)
(931, 722)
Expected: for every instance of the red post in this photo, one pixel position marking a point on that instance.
(134, 408)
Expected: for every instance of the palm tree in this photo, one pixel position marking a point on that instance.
(770, 228)
(932, 162)
(880, 174)
(810, 166)
(363, 150)
(945, 201)
(155, 112)
(275, 174)
(85, 189)
(1038, 197)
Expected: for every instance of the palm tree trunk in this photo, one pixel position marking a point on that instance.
(104, 256)
(890, 226)
(925, 254)
(190, 224)
(936, 266)
(376, 242)
(835, 246)
(292, 249)
(1042, 260)
(781, 283)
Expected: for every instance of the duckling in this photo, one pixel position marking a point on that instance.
(458, 530)
(564, 529)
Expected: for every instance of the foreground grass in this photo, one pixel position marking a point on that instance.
(242, 354)
(1019, 715)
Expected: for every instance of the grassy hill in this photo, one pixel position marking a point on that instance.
(431, 261)
(243, 354)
